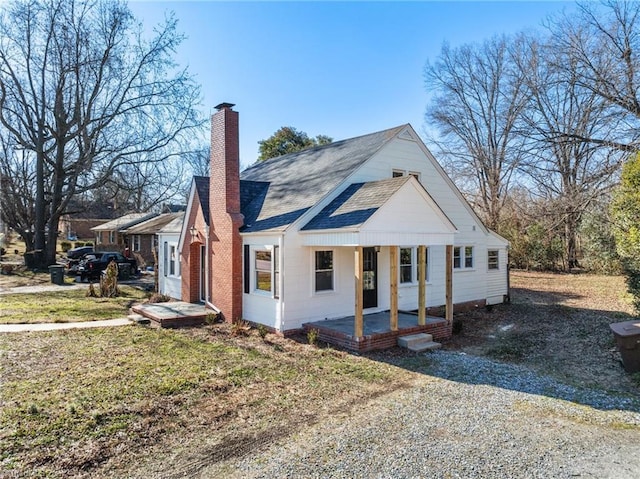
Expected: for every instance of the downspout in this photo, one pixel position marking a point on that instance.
(281, 283)
(507, 299)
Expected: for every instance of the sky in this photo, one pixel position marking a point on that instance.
(341, 69)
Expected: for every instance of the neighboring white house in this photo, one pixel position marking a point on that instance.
(169, 279)
(334, 231)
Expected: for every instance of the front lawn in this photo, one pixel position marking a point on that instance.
(66, 306)
(98, 402)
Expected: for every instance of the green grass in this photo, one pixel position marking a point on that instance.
(66, 306)
(75, 400)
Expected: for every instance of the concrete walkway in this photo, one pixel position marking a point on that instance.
(19, 328)
(41, 288)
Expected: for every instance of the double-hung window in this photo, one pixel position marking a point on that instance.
(456, 257)
(263, 270)
(324, 270)
(406, 265)
(136, 242)
(463, 257)
(493, 257)
(468, 256)
(173, 260)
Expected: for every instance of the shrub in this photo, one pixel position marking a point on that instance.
(89, 243)
(312, 336)
(65, 245)
(109, 281)
(91, 292)
(212, 318)
(240, 328)
(159, 298)
(262, 331)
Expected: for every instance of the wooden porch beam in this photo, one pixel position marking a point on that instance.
(359, 320)
(393, 304)
(422, 287)
(449, 284)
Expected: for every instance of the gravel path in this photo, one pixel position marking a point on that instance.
(467, 417)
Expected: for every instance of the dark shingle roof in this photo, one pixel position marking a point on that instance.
(291, 184)
(202, 188)
(356, 204)
(153, 225)
(124, 222)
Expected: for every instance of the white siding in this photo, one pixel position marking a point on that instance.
(258, 306)
(301, 304)
(497, 279)
(167, 284)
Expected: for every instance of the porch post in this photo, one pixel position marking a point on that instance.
(422, 276)
(359, 321)
(449, 284)
(393, 305)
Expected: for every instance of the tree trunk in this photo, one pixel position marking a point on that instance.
(571, 233)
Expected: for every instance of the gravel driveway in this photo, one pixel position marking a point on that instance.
(466, 417)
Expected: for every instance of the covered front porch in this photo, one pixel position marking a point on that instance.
(372, 222)
(376, 331)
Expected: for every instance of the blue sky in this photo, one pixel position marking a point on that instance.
(341, 69)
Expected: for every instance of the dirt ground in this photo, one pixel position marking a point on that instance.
(557, 324)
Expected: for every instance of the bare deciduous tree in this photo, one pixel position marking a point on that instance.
(603, 45)
(83, 94)
(478, 98)
(568, 172)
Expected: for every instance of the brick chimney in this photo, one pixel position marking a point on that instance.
(225, 218)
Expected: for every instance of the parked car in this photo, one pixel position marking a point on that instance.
(94, 264)
(75, 256)
(79, 252)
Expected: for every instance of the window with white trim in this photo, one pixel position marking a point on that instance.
(136, 242)
(406, 265)
(112, 237)
(493, 259)
(324, 270)
(463, 257)
(456, 257)
(173, 261)
(397, 173)
(468, 256)
(262, 266)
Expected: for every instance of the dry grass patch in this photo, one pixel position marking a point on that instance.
(66, 306)
(557, 324)
(87, 403)
(20, 276)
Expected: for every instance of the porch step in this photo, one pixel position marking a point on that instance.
(418, 342)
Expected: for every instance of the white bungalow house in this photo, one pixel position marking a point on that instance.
(360, 226)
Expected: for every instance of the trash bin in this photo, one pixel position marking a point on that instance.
(627, 336)
(124, 271)
(57, 273)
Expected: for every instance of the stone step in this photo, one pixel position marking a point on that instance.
(407, 341)
(427, 346)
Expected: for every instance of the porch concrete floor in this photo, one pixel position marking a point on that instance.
(374, 323)
(173, 310)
